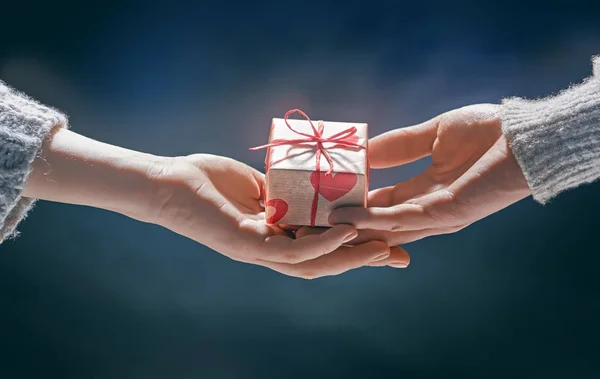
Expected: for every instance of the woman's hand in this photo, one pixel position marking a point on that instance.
(213, 200)
(217, 202)
(473, 174)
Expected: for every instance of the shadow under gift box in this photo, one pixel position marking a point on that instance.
(293, 181)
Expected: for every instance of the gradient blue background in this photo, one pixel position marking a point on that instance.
(89, 294)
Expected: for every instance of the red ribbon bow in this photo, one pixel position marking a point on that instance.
(319, 140)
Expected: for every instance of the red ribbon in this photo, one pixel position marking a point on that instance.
(319, 140)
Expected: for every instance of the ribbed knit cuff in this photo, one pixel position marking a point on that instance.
(24, 125)
(556, 140)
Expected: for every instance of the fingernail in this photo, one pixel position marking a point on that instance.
(381, 257)
(350, 237)
(398, 264)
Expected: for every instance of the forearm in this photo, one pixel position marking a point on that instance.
(75, 169)
(557, 140)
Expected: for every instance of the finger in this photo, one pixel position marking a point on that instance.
(308, 231)
(390, 238)
(398, 217)
(401, 238)
(401, 192)
(398, 258)
(381, 197)
(283, 249)
(341, 260)
(403, 145)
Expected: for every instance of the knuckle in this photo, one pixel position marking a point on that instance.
(388, 219)
(446, 120)
(400, 134)
(394, 218)
(404, 133)
(443, 118)
(432, 212)
(447, 208)
(459, 207)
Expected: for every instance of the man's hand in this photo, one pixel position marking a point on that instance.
(473, 174)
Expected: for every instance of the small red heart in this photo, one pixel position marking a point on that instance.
(278, 209)
(334, 186)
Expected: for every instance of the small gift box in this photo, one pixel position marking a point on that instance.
(313, 168)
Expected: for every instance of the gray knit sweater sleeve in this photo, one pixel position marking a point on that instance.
(556, 140)
(24, 124)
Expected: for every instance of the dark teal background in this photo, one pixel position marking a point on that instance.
(89, 294)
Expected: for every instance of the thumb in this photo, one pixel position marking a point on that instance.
(403, 145)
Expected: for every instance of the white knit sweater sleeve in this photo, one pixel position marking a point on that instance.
(556, 140)
(24, 124)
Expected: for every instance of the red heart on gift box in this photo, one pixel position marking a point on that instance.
(333, 186)
(275, 210)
